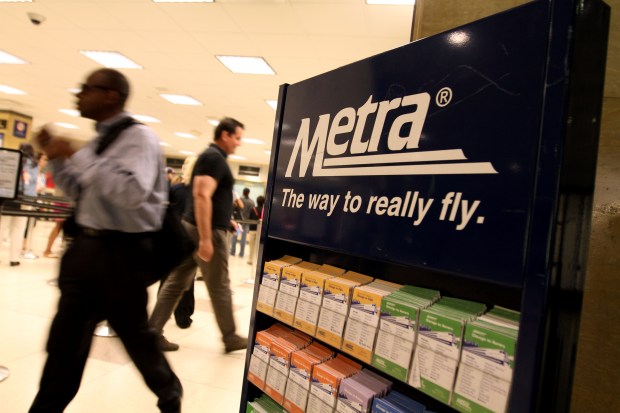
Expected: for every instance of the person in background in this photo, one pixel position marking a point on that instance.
(40, 189)
(245, 210)
(179, 193)
(28, 187)
(207, 219)
(255, 214)
(169, 175)
(121, 192)
(42, 175)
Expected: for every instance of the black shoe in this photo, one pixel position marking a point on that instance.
(236, 343)
(165, 345)
(184, 323)
(14, 263)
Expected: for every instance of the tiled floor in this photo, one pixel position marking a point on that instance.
(212, 381)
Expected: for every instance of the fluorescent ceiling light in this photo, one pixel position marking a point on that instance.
(268, 152)
(11, 90)
(182, 1)
(237, 157)
(272, 103)
(187, 152)
(15, 1)
(75, 90)
(253, 141)
(162, 143)
(214, 122)
(247, 65)
(185, 135)
(70, 112)
(111, 59)
(392, 2)
(181, 99)
(66, 125)
(9, 59)
(146, 118)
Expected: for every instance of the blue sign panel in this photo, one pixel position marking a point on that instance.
(423, 155)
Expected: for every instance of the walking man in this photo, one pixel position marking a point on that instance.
(207, 218)
(120, 191)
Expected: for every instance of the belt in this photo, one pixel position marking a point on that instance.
(109, 233)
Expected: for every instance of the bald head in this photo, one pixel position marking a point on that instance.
(103, 95)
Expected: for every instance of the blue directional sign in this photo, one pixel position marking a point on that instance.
(424, 155)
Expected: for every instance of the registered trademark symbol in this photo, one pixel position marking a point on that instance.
(443, 97)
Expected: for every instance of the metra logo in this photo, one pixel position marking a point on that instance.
(405, 157)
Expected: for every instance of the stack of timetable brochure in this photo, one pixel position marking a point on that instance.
(270, 282)
(280, 360)
(311, 297)
(396, 402)
(264, 404)
(397, 329)
(440, 333)
(288, 292)
(336, 303)
(363, 321)
(326, 379)
(261, 352)
(487, 361)
(300, 375)
(357, 392)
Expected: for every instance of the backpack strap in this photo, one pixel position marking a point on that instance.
(113, 133)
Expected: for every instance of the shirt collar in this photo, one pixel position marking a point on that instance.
(224, 154)
(103, 126)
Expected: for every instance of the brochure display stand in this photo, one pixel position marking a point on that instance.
(461, 164)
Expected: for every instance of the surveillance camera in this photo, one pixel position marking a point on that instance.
(36, 18)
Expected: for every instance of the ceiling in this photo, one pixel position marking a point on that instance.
(177, 44)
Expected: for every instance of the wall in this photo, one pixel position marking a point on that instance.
(15, 129)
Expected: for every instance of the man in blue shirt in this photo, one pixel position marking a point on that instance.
(120, 193)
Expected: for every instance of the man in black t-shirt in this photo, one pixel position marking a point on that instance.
(207, 218)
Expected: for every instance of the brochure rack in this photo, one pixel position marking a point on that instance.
(462, 162)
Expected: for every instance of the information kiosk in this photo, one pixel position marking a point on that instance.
(10, 167)
(464, 163)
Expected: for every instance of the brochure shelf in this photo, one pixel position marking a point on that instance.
(463, 162)
(493, 295)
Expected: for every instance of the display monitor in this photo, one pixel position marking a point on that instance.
(10, 167)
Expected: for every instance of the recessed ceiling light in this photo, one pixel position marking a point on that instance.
(70, 112)
(247, 65)
(185, 135)
(187, 152)
(181, 99)
(272, 103)
(214, 122)
(392, 2)
(183, 1)
(162, 143)
(9, 59)
(237, 157)
(146, 118)
(111, 59)
(66, 125)
(253, 141)
(11, 90)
